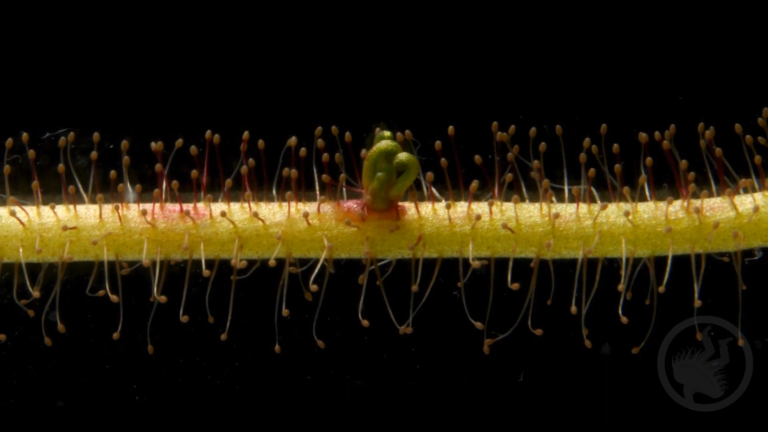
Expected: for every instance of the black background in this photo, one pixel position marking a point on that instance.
(369, 376)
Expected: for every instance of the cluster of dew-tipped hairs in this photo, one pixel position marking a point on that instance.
(719, 213)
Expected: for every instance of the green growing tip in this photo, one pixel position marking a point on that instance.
(383, 188)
